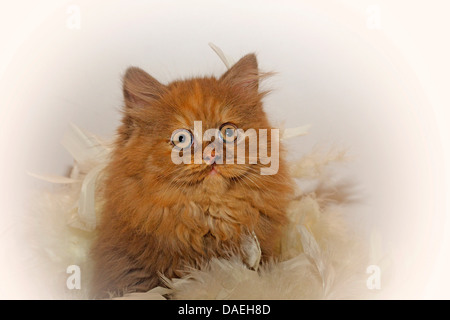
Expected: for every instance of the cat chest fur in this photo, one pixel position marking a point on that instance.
(213, 222)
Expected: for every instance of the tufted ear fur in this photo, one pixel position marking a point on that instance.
(243, 74)
(140, 91)
(140, 88)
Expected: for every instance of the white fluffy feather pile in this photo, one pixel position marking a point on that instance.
(321, 257)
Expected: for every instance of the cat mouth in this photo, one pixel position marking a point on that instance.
(214, 170)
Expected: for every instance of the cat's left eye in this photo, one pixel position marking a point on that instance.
(228, 132)
(182, 138)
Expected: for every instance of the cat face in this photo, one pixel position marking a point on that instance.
(161, 121)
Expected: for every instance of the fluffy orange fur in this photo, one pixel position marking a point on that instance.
(160, 217)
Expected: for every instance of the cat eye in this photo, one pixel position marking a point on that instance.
(228, 132)
(182, 138)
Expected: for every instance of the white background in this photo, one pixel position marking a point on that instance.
(383, 93)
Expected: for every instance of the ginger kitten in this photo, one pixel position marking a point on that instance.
(160, 217)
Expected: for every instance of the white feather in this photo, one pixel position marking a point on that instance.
(295, 132)
(226, 60)
(84, 147)
(317, 257)
(53, 178)
(86, 203)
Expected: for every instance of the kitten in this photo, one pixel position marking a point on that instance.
(160, 217)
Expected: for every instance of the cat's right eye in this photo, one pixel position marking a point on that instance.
(182, 138)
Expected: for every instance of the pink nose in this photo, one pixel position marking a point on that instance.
(209, 160)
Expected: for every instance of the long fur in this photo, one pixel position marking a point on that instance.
(160, 217)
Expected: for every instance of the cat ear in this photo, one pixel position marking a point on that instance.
(140, 88)
(243, 74)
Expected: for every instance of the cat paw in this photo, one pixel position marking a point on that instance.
(251, 251)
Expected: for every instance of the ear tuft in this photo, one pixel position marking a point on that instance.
(140, 88)
(244, 73)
